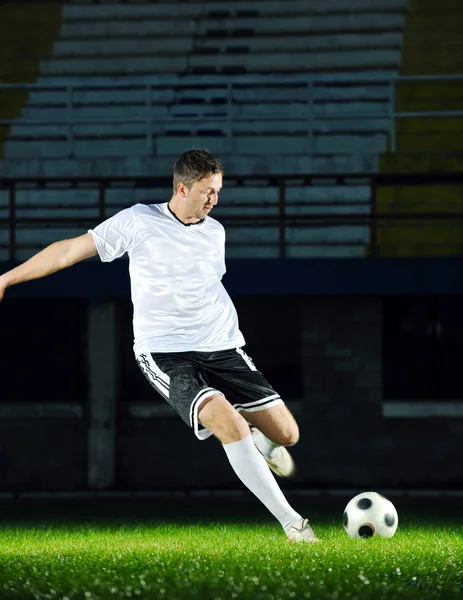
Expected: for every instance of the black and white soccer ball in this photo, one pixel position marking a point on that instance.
(370, 514)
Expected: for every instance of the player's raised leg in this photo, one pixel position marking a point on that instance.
(225, 422)
(274, 428)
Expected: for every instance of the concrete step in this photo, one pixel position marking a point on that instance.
(163, 27)
(179, 45)
(270, 62)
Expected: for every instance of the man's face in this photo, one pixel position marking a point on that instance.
(202, 196)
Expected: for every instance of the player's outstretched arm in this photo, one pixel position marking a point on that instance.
(55, 257)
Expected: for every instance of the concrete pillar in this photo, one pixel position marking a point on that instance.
(342, 391)
(342, 357)
(102, 356)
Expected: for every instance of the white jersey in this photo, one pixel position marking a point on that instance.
(175, 270)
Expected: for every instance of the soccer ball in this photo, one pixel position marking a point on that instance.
(370, 514)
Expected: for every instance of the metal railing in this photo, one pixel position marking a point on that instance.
(282, 218)
(228, 90)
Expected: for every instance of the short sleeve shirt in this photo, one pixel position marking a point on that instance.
(180, 303)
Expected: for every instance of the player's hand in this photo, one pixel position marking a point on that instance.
(2, 289)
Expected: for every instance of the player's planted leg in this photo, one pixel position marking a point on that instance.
(301, 532)
(217, 414)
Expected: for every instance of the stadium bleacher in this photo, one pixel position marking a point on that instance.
(270, 87)
(291, 40)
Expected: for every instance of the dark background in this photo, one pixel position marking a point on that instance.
(337, 358)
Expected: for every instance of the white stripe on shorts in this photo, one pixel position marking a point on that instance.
(246, 359)
(204, 393)
(256, 405)
(157, 378)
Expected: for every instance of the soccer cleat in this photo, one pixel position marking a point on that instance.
(303, 534)
(279, 460)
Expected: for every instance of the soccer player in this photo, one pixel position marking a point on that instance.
(187, 341)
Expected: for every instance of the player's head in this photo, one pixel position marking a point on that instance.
(194, 165)
(197, 180)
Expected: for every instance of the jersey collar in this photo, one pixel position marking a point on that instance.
(180, 221)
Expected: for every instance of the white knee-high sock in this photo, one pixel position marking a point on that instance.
(251, 468)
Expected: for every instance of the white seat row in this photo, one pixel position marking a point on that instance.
(277, 145)
(358, 234)
(252, 241)
(266, 62)
(330, 23)
(263, 244)
(233, 199)
(330, 95)
(182, 46)
(328, 115)
(242, 241)
(265, 145)
(339, 250)
(185, 10)
(198, 125)
(35, 165)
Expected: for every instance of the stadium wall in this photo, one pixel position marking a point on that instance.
(324, 353)
(432, 46)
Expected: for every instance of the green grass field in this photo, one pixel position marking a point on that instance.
(223, 550)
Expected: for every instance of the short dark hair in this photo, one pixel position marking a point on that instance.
(193, 165)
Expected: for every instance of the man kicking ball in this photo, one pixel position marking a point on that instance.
(187, 341)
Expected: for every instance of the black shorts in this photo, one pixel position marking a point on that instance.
(184, 379)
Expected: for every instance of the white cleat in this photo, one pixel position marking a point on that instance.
(279, 459)
(303, 534)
